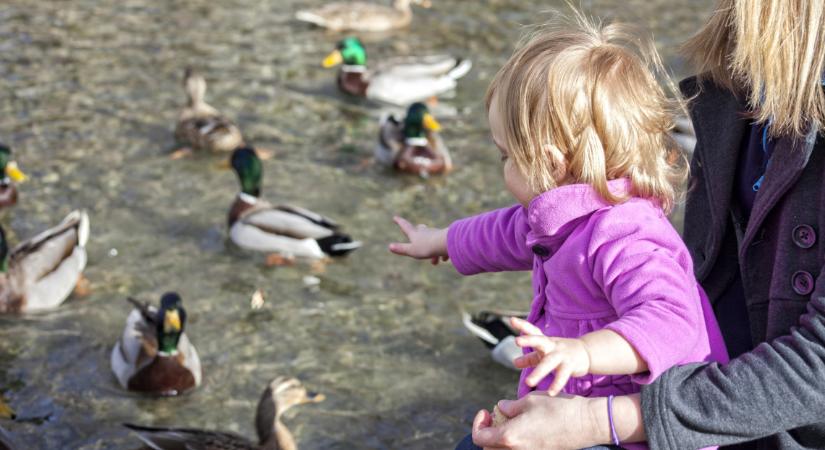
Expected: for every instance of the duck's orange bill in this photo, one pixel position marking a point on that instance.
(430, 123)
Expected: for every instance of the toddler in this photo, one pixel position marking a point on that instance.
(582, 125)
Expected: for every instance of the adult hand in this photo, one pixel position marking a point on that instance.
(425, 242)
(540, 421)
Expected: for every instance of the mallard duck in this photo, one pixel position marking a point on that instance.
(281, 394)
(413, 145)
(360, 16)
(289, 231)
(154, 355)
(200, 126)
(493, 328)
(12, 174)
(41, 272)
(399, 82)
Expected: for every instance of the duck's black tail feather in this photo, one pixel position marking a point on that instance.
(338, 244)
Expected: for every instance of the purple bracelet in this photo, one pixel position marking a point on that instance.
(613, 434)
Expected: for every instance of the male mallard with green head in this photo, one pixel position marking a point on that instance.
(11, 174)
(414, 145)
(288, 231)
(281, 394)
(399, 82)
(360, 16)
(41, 272)
(200, 126)
(154, 355)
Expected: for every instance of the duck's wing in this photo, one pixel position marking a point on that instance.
(424, 66)
(358, 16)
(390, 140)
(211, 132)
(402, 88)
(136, 347)
(191, 360)
(159, 438)
(312, 216)
(52, 261)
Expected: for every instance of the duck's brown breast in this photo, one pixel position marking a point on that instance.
(8, 195)
(166, 376)
(353, 83)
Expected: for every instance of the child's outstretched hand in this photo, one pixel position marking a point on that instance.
(565, 357)
(425, 242)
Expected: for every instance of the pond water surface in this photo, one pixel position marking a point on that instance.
(89, 93)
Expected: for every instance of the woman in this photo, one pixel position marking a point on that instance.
(755, 226)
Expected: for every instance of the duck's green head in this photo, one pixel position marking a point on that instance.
(248, 167)
(8, 166)
(349, 51)
(419, 121)
(170, 323)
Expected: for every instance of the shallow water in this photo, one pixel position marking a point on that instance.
(89, 92)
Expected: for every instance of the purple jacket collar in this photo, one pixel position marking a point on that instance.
(550, 213)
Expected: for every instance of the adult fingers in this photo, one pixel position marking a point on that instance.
(484, 434)
(562, 376)
(525, 326)
(547, 365)
(513, 408)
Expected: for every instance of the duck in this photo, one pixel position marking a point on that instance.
(398, 82)
(154, 355)
(283, 231)
(360, 16)
(40, 273)
(494, 330)
(280, 394)
(12, 174)
(200, 126)
(414, 144)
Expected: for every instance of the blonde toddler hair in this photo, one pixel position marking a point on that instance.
(581, 103)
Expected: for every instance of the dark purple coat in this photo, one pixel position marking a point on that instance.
(774, 396)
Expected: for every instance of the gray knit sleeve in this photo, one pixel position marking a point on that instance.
(778, 386)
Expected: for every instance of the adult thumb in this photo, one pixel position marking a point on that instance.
(512, 408)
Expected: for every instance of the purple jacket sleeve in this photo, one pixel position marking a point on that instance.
(650, 285)
(494, 241)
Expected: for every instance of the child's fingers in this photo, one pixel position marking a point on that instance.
(563, 374)
(531, 359)
(541, 343)
(400, 248)
(525, 326)
(405, 226)
(547, 365)
(435, 260)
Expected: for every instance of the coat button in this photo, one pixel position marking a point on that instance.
(802, 282)
(541, 251)
(804, 236)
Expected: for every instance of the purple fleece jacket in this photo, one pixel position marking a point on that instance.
(595, 265)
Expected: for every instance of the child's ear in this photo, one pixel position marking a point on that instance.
(558, 162)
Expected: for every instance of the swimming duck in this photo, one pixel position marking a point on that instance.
(154, 355)
(281, 394)
(360, 16)
(494, 330)
(200, 126)
(413, 145)
(12, 174)
(399, 82)
(41, 272)
(288, 231)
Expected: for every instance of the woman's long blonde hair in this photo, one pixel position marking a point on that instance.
(773, 53)
(581, 102)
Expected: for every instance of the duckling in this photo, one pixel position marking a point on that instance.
(154, 355)
(494, 330)
(41, 272)
(289, 231)
(399, 82)
(12, 174)
(360, 16)
(200, 126)
(414, 145)
(281, 394)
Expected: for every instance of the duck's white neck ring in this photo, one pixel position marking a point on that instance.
(246, 198)
(355, 69)
(417, 141)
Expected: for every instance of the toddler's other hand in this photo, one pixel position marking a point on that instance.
(425, 242)
(565, 357)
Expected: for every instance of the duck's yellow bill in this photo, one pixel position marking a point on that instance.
(5, 410)
(14, 172)
(430, 123)
(172, 321)
(333, 59)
